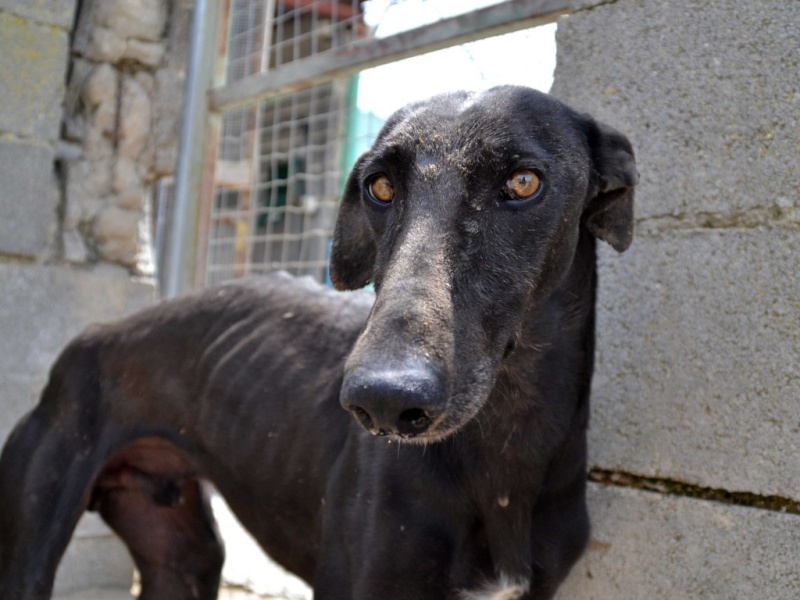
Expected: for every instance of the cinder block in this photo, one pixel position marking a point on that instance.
(99, 561)
(58, 13)
(33, 63)
(167, 105)
(697, 359)
(707, 91)
(28, 199)
(41, 309)
(646, 545)
(179, 28)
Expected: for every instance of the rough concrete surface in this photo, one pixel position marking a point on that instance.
(697, 363)
(28, 197)
(698, 331)
(140, 19)
(698, 340)
(49, 12)
(708, 92)
(650, 546)
(41, 309)
(33, 60)
(100, 561)
(124, 105)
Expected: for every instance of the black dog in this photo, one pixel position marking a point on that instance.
(475, 217)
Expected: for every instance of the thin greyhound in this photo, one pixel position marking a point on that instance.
(461, 475)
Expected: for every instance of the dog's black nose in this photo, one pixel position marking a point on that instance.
(402, 402)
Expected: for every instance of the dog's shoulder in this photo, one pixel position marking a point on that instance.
(283, 289)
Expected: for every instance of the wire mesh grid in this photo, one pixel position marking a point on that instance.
(277, 186)
(279, 162)
(247, 38)
(267, 34)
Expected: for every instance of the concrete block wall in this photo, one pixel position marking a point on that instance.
(123, 103)
(89, 115)
(695, 430)
(32, 50)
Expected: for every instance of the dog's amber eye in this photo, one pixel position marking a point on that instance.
(381, 189)
(523, 184)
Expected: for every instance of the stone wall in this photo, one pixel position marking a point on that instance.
(696, 424)
(122, 116)
(88, 123)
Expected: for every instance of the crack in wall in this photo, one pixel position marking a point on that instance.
(766, 216)
(688, 490)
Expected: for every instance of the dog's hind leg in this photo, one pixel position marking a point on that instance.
(46, 472)
(44, 489)
(148, 494)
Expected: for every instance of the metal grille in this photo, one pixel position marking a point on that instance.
(284, 31)
(278, 170)
(272, 189)
(275, 209)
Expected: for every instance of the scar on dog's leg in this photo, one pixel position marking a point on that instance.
(165, 518)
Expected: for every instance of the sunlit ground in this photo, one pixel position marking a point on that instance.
(246, 566)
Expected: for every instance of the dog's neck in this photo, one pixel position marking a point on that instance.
(504, 452)
(532, 409)
(558, 332)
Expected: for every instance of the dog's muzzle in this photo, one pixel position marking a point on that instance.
(403, 402)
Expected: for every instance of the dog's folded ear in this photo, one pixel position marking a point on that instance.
(609, 215)
(353, 249)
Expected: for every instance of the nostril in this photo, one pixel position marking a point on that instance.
(413, 421)
(510, 347)
(362, 416)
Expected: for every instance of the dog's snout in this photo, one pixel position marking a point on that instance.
(403, 402)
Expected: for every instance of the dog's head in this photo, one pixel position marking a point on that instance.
(466, 214)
